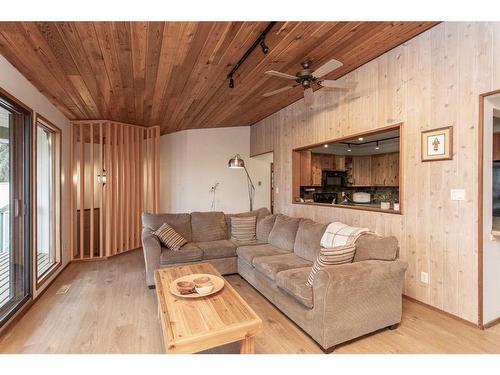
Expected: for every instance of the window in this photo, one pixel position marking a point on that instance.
(360, 171)
(48, 189)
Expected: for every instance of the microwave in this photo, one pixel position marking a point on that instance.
(334, 178)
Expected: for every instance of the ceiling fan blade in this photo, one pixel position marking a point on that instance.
(270, 93)
(330, 83)
(330, 66)
(281, 75)
(309, 96)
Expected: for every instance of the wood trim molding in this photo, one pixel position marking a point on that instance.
(41, 279)
(480, 208)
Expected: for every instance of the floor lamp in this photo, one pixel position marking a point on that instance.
(238, 163)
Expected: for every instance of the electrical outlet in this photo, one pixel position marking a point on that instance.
(424, 277)
(457, 194)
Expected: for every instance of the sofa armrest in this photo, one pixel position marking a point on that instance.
(152, 249)
(359, 298)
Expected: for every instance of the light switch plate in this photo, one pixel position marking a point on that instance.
(424, 277)
(457, 194)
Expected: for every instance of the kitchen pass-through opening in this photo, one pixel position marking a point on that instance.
(360, 171)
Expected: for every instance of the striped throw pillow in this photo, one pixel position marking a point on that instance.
(331, 257)
(243, 229)
(169, 237)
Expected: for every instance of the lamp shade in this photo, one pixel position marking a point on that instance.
(236, 162)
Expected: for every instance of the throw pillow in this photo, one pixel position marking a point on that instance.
(243, 229)
(169, 237)
(330, 257)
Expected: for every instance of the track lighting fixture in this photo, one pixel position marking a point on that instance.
(376, 146)
(349, 147)
(259, 41)
(265, 48)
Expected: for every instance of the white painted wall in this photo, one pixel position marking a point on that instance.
(192, 161)
(12, 81)
(491, 245)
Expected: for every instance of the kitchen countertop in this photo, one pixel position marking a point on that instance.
(356, 206)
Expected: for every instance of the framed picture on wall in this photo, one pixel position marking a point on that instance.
(437, 144)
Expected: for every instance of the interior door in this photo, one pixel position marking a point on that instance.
(15, 259)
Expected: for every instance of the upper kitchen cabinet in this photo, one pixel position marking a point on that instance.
(385, 169)
(362, 170)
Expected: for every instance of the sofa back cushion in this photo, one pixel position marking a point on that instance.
(208, 226)
(259, 213)
(370, 246)
(264, 227)
(181, 223)
(307, 241)
(284, 231)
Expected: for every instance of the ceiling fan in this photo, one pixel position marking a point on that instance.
(307, 78)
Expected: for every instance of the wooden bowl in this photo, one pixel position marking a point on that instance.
(185, 287)
(201, 281)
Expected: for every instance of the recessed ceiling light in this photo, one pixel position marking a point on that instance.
(360, 138)
(325, 146)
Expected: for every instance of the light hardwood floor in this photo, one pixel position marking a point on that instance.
(108, 309)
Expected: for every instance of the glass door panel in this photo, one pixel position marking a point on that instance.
(14, 223)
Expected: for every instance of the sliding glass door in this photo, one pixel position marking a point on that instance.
(15, 228)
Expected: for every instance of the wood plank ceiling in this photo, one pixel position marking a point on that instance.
(173, 74)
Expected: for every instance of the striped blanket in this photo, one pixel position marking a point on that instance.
(340, 234)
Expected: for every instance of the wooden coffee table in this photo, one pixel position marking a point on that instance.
(194, 325)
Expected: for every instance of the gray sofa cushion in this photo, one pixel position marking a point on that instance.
(372, 247)
(271, 265)
(217, 249)
(293, 282)
(283, 233)
(187, 253)
(307, 241)
(248, 253)
(180, 222)
(208, 226)
(264, 227)
(259, 213)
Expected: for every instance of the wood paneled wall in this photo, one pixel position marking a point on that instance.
(431, 81)
(128, 157)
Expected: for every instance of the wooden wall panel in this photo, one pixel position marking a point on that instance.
(431, 81)
(115, 148)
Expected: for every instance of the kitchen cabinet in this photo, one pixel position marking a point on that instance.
(385, 169)
(339, 163)
(362, 170)
(316, 169)
(305, 168)
(496, 147)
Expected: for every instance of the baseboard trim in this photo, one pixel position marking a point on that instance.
(449, 315)
(492, 323)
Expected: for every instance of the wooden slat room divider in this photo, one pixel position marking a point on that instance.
(115, 171)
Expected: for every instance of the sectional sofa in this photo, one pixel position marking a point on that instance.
(345, 302)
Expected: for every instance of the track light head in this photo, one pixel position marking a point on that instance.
(265, 48)
(231, 83)
(349, 147)
(377, 146)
